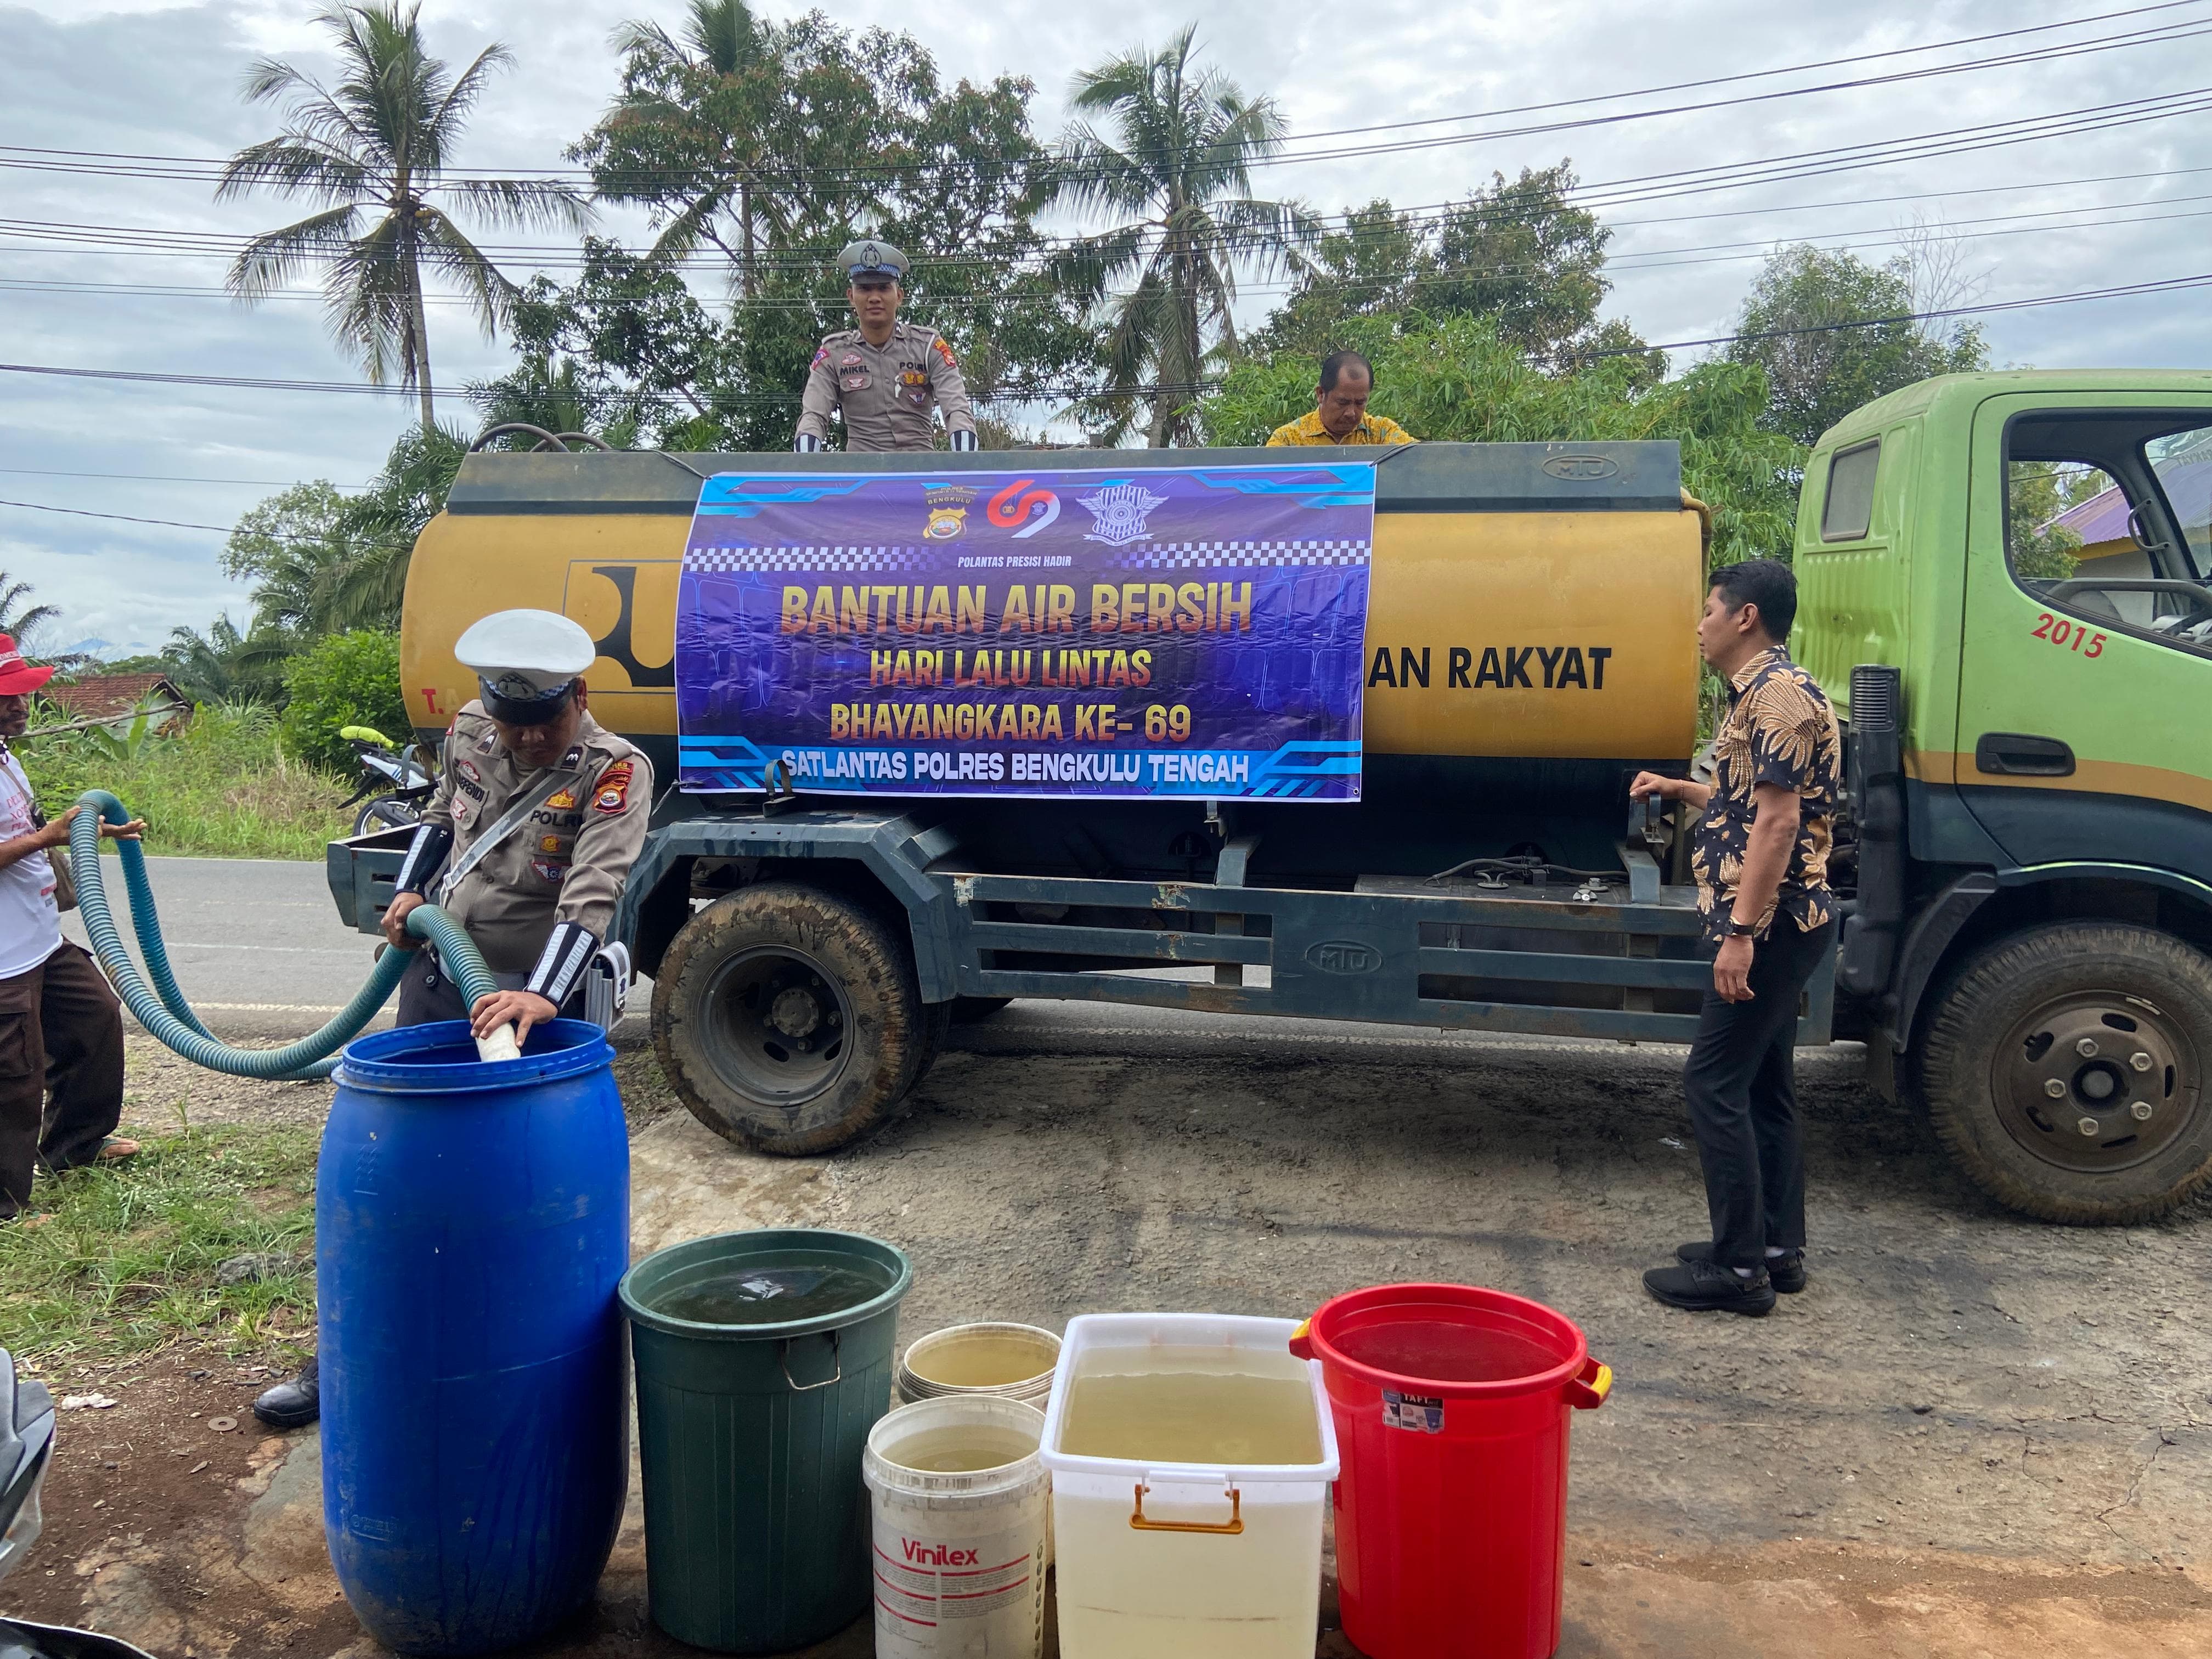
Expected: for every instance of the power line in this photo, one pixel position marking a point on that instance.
(80, 513)
(2156, 34)
(158, 478)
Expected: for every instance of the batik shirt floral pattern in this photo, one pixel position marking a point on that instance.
(1779, 729)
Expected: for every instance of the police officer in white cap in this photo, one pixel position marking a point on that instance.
(885, 375)
(538, 817)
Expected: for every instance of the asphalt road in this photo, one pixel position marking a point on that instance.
(255, 943)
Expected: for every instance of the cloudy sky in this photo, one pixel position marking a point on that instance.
(2043, 198)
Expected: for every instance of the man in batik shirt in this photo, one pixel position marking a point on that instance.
(1760, 855)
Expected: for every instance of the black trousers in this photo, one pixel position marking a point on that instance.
(1743, 1100)
(61, 1070)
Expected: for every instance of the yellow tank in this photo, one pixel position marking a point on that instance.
(1526, 601)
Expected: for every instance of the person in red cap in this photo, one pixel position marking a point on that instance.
(61, 1028)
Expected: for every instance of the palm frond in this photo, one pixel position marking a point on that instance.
(269, 259)
(525, 203)
(447, 249)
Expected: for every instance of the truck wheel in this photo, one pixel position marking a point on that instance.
(2065, 1071)
(787, 1020)
(970, 1011)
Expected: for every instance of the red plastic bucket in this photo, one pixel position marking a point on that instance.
(1451, 1406)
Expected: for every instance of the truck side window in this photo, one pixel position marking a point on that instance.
(2108, 520)
(1847, 511)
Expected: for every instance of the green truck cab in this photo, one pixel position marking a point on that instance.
(2031, 770)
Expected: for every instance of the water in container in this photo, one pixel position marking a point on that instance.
(770, 1295)
(1191, 1457)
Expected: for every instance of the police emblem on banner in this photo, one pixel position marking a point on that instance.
(1119, 512)
(948, 512)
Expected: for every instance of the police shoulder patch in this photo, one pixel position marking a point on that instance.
(946, 352)
(821, 356)
(612, 794)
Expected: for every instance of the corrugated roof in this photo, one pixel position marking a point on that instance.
(2104, 516)
(95, 697)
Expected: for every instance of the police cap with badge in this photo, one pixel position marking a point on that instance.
(527, 663)
(872, 258)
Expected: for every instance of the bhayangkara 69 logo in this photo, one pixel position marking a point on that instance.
(1019, 501)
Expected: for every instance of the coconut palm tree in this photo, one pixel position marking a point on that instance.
(16, 617)
(371, 149)
(1178, 172)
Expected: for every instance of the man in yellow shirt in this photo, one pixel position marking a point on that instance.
(1340, 414)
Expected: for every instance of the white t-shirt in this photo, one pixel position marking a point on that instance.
(30, 923)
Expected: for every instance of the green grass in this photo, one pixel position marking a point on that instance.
(128, 1262)
(221, 789)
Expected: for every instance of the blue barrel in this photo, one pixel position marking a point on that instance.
(471, 1224)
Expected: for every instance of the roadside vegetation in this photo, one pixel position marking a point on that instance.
(132, 1259)
(223, 788)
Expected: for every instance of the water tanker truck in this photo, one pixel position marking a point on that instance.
(2025, 853)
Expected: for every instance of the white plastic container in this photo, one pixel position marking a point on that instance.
(1017, 1362)
(957, 1558)
(1165, 1559)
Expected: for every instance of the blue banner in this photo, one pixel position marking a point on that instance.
(1086, 632)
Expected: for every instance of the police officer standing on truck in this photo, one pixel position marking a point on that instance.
(884, 376)
(539, 814)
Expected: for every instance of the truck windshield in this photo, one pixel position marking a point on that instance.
(2183, 462)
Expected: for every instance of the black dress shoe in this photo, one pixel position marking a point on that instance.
(1703, 1286)
(292, 1405)
(1787, 1270)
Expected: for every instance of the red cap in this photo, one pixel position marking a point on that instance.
(18, 676)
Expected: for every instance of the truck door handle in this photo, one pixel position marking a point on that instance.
(2017, 754)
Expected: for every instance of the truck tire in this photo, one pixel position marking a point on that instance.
(2065, 1071)
(788, 1019)
(971, 1011)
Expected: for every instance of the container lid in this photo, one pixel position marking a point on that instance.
(1491, 1343)
(993, 1411)
(1091, 1333)
(440, 1058)
(719, 1253)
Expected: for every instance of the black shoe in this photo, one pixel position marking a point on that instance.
(1702, 1286)
(1786, 1270)
(292, 1405)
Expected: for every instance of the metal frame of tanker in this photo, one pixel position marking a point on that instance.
(1393, 949)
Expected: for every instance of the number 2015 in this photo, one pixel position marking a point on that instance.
(2061, 632)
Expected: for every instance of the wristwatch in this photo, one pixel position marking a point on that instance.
(1742, 929)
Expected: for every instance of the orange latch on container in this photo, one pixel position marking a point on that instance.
(1230, 1527)
(1588, 1388)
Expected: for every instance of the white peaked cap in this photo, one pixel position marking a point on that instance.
(542, 646)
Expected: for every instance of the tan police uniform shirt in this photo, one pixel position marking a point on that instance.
(566, 863)
(886, 391)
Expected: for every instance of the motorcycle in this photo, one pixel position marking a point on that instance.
(406, 774)
(26, 1445)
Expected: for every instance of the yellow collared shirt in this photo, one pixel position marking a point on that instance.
(1371, 429)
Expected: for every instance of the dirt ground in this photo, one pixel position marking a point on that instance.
(1974, 1435)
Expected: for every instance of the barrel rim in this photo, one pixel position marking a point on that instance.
(1338, 1308)
(639, 1312)
(584, 1048)
(1038, 1385)
(908, 1484)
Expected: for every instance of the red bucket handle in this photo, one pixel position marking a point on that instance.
(1588, 1388)
(1302, 1341)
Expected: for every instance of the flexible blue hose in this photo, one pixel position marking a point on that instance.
(162, 1009)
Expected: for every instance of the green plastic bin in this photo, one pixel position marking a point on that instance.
(751, 1438)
